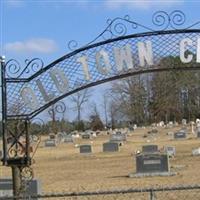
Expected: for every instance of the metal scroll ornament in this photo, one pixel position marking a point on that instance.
(14, 69)
(165, 20)
(119, 26)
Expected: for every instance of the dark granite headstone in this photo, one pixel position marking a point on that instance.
(150, 148)
(86, 136)
(180, 135)
(150, 163)
(86, 148)
(110, 147)
(33, 187)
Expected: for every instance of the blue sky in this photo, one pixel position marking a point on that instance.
(43, 28)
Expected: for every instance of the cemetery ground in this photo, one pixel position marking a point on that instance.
(63, 168)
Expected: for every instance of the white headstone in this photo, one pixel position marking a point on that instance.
(196, 152)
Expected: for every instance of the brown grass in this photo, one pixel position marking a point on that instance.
(63, 169)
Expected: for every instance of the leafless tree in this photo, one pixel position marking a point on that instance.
(79, 99)
(105, 107)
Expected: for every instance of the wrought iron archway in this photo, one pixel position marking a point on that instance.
(28, 91)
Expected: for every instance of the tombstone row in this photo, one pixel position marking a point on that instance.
(107, 147)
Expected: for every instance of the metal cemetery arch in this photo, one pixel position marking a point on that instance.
(27, 92)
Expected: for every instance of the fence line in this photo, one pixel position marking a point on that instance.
(151, 191)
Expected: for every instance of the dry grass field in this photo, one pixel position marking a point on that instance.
(63, 168)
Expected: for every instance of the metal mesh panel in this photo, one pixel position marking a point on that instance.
(163, 45)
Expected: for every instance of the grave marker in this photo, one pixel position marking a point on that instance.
(196, 152)
(6, 187)
(86, 148)
(110, 147)
(171, 151)
(86, 136)
(198, 132)
(150, 163)
(180, 135)
(50, 143)
(118, 137)
(68, 139)
(184, 122)
(60, 137)
(150, 148)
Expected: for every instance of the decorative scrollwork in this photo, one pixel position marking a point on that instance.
(161, 19)
(14, 69)
(16, 151)
(177, 18)
(27, 173)
(60, 107)
(72, 45)
(172, 20)
(121, 26)
(118, 29)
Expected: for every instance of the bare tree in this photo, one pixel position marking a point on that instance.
(130, 98)
(79, 99)
(105, 107)
(57, 112)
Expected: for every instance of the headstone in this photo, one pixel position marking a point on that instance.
(192, 127)
(60, 137)
(154, 130)
(68, 139)
(85, 148)
(180, 135)
(171, 151)
(184, 122)
(150, 163)
(52, 136)
(94, 134)
(170, 124)
(33, 187)
(110, 147)
(86, 136)
(196, 152)
(198, 132)
(150, 148)
(50, 143)
(161, 123)
(118, 137)
(170, 133)
(197, 122)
